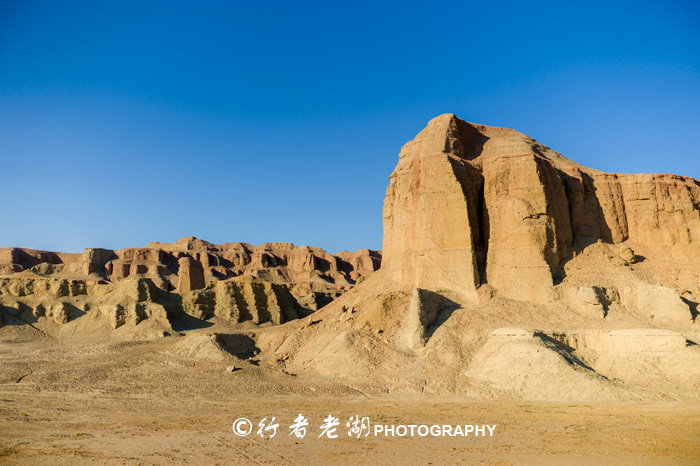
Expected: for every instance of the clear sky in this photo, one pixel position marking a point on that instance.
(128, 122)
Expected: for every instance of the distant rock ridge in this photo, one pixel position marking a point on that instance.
(190, 263)
(232, 282)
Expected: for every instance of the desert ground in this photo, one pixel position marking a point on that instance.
(142, 402)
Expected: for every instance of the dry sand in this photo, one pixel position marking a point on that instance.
(151, 403)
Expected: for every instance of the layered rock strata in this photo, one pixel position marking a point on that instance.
(234, 282)
(129, 302)
(191, 263)
(471, 204)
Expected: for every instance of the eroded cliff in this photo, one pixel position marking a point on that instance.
(470, 204)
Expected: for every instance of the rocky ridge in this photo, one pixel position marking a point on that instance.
(164, 263)
(164, 283)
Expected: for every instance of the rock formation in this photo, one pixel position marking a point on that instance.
(511, 270)
(471, 204)
(190, 274)
(137, 305)
(243, 299)
(281, 263)
(163, 283)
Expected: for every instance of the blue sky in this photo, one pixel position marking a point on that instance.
(127, 122)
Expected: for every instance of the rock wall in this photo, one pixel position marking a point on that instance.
(428, 239)
(190, 275)
(472, 204)
(129, 302)
(244, 299)
(233, 282)
(178, 265)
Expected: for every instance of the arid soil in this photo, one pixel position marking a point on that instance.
(149, 403)
(71, 428)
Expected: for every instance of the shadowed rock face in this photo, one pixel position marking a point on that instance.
(191, 274)
(472, 204)
(137, 304)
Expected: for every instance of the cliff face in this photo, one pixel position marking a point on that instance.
(471, 204)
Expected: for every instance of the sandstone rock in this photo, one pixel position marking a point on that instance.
(303, 262)
(117, 315)
(424, 309)
(39, 311)
(659, 303)
(590, 300)
(114, 314)
(428, 239)
(529, 229)
(128, 302)
(488, 235)
(92, 262)
(243, 299)
(470, 204)
(46, 269)
(191, 275)
(280, 263)
(27, 258)
(632, 340)
(536, 368)
(6, 269)
(659, 358)
(627, 255)
(23, 286)
(411, 336)
(59, 312)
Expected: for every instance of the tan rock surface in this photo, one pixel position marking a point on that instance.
(471, 204)
(190, 275)
(282, 263)
(234, 282)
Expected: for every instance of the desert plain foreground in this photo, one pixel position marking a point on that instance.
(142, 403)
